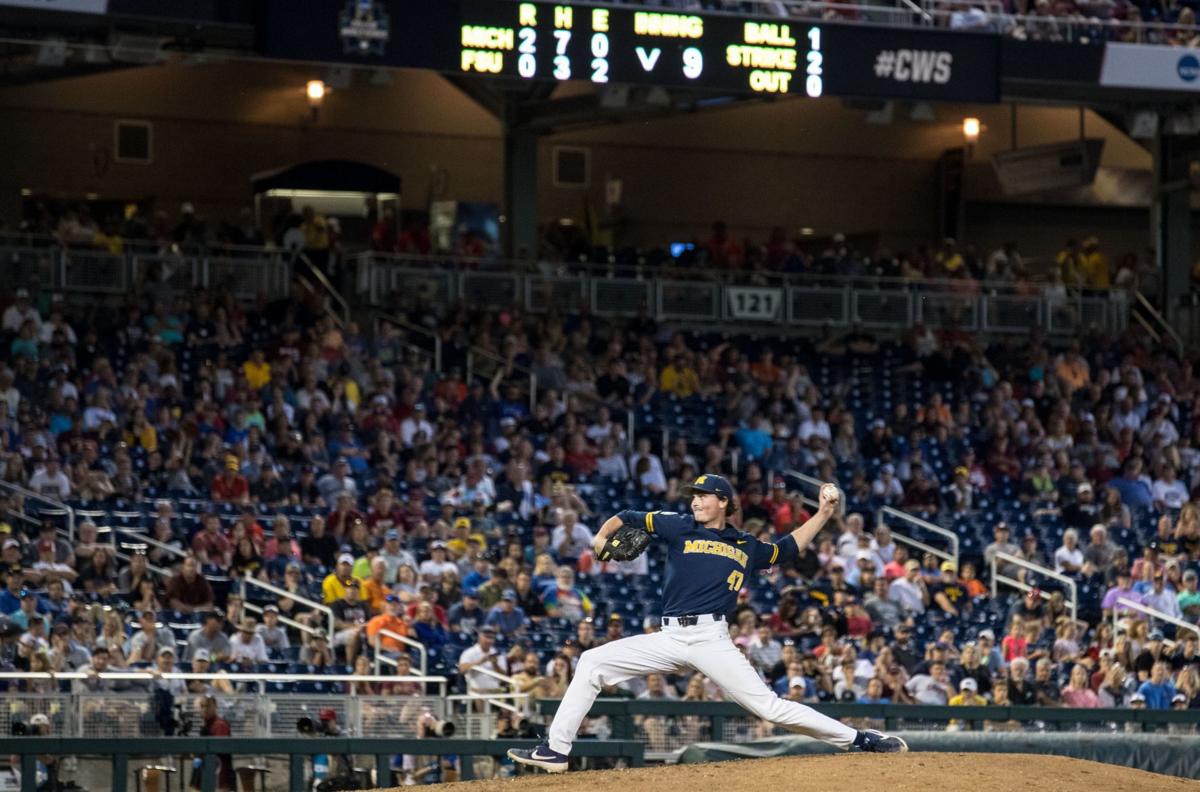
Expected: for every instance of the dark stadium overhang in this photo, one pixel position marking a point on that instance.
(328, 176)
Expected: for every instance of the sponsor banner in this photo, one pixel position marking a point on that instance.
(1150, 66)
(76, 6)
(912, 64)
(755, 304)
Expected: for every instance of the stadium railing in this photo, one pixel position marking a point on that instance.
(701, 296)
(56, 507)
(381, 659)
(297, 749)
(1005, 559)
(281, 592)
(413, 331)
(882, 517)
(1153, 613)
(246, 272)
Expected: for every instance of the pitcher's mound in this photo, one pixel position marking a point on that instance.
(912, 772)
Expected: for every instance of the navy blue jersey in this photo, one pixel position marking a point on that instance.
(706, 568)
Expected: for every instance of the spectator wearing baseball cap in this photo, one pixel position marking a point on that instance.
(466, 616)
(333, 587)
(388, 620)
(437, 564)
(968, 695)
(909, 591)
(506, 617)
(1189, 597)
(274, 634)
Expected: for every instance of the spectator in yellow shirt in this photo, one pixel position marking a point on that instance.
(679, 378)
(1095, 265)
(948, 258)
(1069, 261)
(257, 370)
(968, 694)
(333, 588)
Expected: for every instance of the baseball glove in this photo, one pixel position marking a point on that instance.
(626, 544)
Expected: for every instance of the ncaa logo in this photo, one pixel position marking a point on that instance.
(1188, 68)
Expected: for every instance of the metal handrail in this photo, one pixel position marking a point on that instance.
(495, 700)
(1153, 613)
(1162, 322)
(282, 592)
(143, 539)
(448, 263)
(28, 493)
(997, 578)
(422, 652)
(502, 364)
(287, 622)
(344, 318)
(924, 525)
(494, 675)
(400, 321)
(951, 537)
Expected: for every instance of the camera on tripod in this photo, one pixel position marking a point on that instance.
(429, 726)
(36, 726)
(324, 726)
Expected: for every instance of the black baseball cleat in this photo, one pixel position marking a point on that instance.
(541, 756)
(877, 742)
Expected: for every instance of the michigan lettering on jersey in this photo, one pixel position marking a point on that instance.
(709, 547)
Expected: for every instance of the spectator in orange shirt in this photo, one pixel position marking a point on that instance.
(390, 620)
(375, 591)
(764, 370)
(1072, 371)
(230, 486)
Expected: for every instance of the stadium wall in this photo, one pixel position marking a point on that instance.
(792, 163)
(1175, 755)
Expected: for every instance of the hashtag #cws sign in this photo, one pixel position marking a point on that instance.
(912, 64)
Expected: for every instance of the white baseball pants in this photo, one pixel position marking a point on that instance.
(705, 647)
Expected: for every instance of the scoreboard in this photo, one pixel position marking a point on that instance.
(563, 41)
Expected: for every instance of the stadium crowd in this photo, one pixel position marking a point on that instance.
(222, 442)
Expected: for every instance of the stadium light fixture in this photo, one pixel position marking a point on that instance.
(971, 129)
(315, 90)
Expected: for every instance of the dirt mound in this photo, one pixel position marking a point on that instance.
(913, 772)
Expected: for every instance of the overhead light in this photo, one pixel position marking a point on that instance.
(26, 192)
(91, 196)
(971, 129)
(315, 89)
(806, 231)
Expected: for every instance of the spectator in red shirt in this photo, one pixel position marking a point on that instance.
(211, 545)
(579, 457)
(343, 517)
(230, 486)
(384, 514)
(786, 513)
(723, 252)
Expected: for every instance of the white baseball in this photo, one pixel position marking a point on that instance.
(829, 492)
